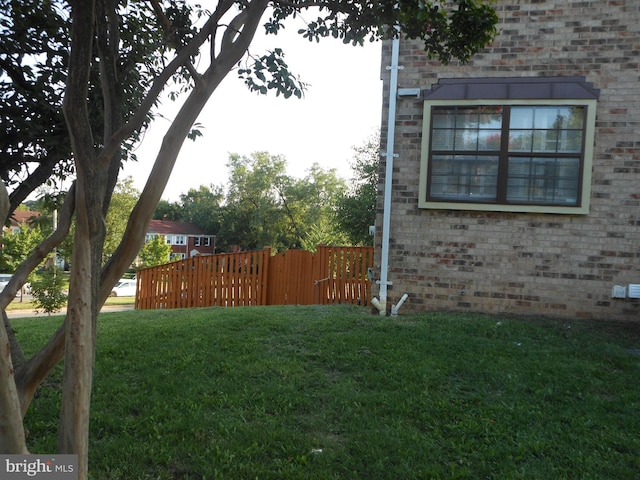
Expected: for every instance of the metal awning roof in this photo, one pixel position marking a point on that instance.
(511, 88)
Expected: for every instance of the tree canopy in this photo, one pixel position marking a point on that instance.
(356, 209)
(79, 81)
(261, 205)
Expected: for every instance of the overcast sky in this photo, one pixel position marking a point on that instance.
(341, 109)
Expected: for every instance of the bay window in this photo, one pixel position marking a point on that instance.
(528, 153)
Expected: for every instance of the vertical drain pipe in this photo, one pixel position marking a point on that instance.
(381, 304)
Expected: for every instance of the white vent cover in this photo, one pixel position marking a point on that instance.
(633, 290)
(618, 291)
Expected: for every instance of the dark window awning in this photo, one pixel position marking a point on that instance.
(511, 88)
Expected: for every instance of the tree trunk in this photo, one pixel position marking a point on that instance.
(17, 355)
(11, 428)
(79, 355)
(82, 307)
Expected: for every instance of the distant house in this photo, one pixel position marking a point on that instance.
(21, 217)
(30, 219)
(512, 182)
(186, 239)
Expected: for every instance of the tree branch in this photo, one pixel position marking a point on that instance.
(140, 217)
(237, 38)
(139, 117)
(35, 179)
(172, 36)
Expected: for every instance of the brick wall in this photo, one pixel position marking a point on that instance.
(552, 265)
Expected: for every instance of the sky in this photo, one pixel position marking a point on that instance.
(341, 109)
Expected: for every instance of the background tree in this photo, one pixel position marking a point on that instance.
(264, 206)
(143, 45)
(356, 210)
(16, 246)
(155, 252)
(45, 284)
(324, 232)
(123, 200)
(310, 205)
(202, 207)
(251, 215)
(167, 210)
(47, 288)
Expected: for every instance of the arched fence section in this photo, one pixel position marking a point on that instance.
(295, 277)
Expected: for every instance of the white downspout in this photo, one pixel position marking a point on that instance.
(381, 304)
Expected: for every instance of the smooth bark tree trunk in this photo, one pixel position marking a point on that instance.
(12, 438)
(79, 356)
(82, 307)
(11, 428)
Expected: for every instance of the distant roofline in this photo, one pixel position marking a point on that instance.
(169, 227)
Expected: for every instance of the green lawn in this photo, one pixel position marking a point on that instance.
(25, 303)
(335, 393)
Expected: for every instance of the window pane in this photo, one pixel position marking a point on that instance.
(563, 118)
(547, 117)
(464, 177)
(521, 118)
(444, 117)
(545, 141)
(467, 118)
(520, 141)
(570, 141)
(466, 140)
(466, 128)
(490, 117)
(489, 140)
(543, 180)
(575, 117)
(442, 140)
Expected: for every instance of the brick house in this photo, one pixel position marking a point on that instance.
(514, 180)
(186, 239)
(19, 218)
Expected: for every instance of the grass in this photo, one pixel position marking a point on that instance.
(26, 303)
(335, 393)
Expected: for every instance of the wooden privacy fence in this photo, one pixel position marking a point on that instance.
(295, 277)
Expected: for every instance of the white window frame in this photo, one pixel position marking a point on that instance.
(583, 204)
